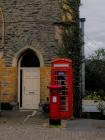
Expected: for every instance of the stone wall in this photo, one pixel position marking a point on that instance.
(45, 81)
(8, 83)
(29, 22)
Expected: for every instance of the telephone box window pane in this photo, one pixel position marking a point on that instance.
(61, 79)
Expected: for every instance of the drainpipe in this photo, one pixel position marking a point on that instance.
(82, 20)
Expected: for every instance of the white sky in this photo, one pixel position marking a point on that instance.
(94, 12)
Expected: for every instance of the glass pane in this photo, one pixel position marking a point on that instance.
(61, 79)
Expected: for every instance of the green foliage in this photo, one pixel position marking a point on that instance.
(72, 49)
(95, 73)
(71, 34)
(98, 55)
(95, 95)
(72, 8)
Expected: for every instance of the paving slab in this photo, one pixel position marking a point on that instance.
(86, 124)
(13, 127)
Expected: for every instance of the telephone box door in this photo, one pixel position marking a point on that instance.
(61, 74)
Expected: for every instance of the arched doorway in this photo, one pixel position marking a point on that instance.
(29, 80)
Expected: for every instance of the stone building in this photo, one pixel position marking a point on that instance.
(30, 38)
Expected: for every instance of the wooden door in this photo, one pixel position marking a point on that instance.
(31, 88)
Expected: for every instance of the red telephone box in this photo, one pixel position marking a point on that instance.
(55, 118)
(61, 74)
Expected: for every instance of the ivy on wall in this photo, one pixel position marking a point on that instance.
(71, 47)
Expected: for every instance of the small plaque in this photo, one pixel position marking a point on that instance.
(54, 99)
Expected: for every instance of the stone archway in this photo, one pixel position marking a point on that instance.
(28, 80)
(17, 55)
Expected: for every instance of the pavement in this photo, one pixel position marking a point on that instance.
(15, 126)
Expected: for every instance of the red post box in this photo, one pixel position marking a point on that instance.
(55, 118)
(61, 74)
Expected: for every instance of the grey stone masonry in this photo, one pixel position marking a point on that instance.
(28, 23)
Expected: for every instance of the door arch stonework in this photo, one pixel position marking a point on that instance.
(28, 80)
(21, 51)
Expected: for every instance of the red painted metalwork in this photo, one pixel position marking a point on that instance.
(55, 102)
(61, 74)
